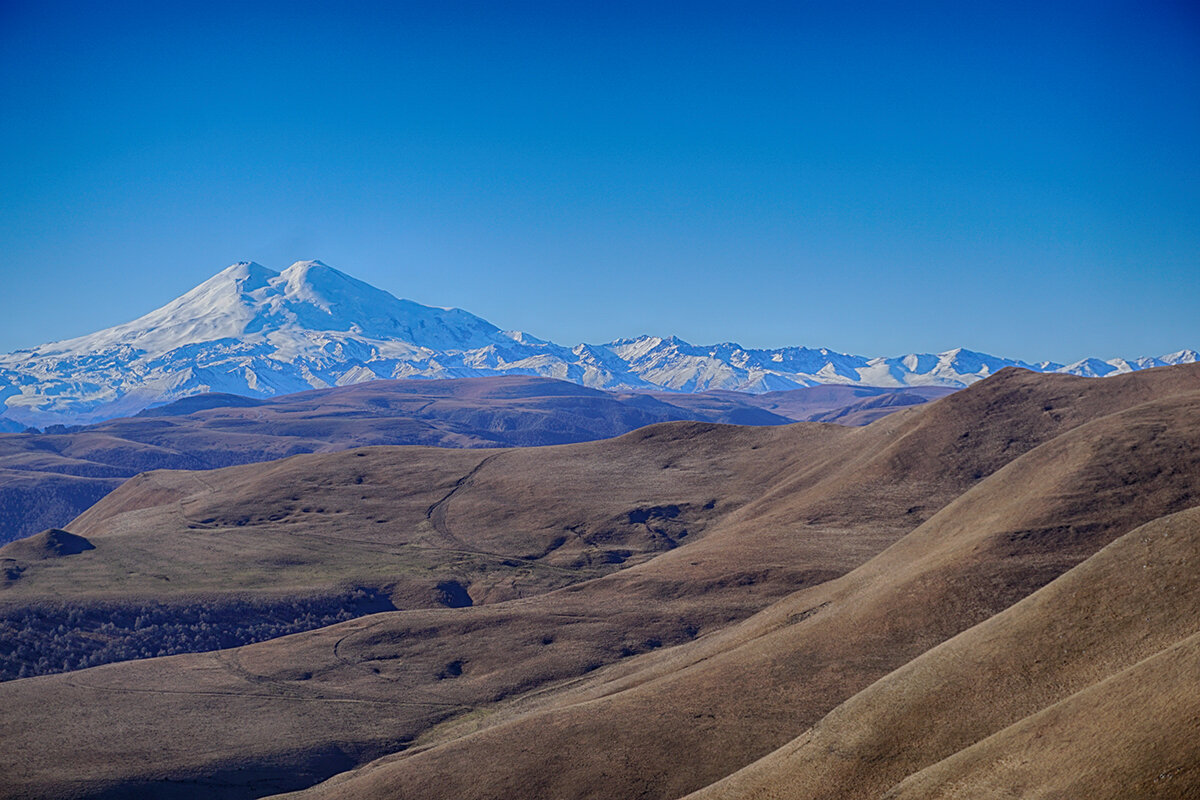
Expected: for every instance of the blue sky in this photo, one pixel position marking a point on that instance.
(878, 178)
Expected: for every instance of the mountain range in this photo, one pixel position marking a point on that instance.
(252, 331)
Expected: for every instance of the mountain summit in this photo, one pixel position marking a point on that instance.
(250, 303)
(253, 331)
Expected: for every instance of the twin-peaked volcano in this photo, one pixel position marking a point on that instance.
(250, 303)
(253, 331)
(250, 330)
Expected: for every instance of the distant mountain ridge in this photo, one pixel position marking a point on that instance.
(252, 331)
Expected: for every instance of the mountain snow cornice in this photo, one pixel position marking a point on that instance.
(253, 331)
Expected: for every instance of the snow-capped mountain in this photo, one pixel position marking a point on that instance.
(254, 331)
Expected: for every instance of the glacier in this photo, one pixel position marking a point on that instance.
(250, 330)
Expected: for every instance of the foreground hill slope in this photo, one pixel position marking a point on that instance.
(47, 479)
(1054, 667)
(739, 692)
(1132, 735)
(829, 558)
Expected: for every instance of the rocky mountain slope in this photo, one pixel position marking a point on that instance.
(252, 331)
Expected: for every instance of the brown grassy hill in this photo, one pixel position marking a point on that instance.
(987, 495)
(1132, 735)
(398, 518)
(846, 405)
(51, 543)
(424, 527)
(756, 685)
(48, 479)
(1132, 601)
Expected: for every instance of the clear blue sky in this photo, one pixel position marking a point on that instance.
(1018, 178)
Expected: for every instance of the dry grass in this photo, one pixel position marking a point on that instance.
(833, 583)
(48, 479)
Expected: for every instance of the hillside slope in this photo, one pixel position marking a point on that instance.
(819, 560)
(1086, 660)
(722, 702)
(48, 479)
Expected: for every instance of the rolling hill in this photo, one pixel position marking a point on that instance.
(955, 600)
(49, 478)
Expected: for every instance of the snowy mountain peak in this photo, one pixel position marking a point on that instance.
(344, 299)
(1181, 357)
(245, 269)
(250, 303)
(253, 331)
(220, 307)
(244, 276)
(315, 277)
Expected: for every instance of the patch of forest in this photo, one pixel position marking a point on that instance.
(49, 638)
